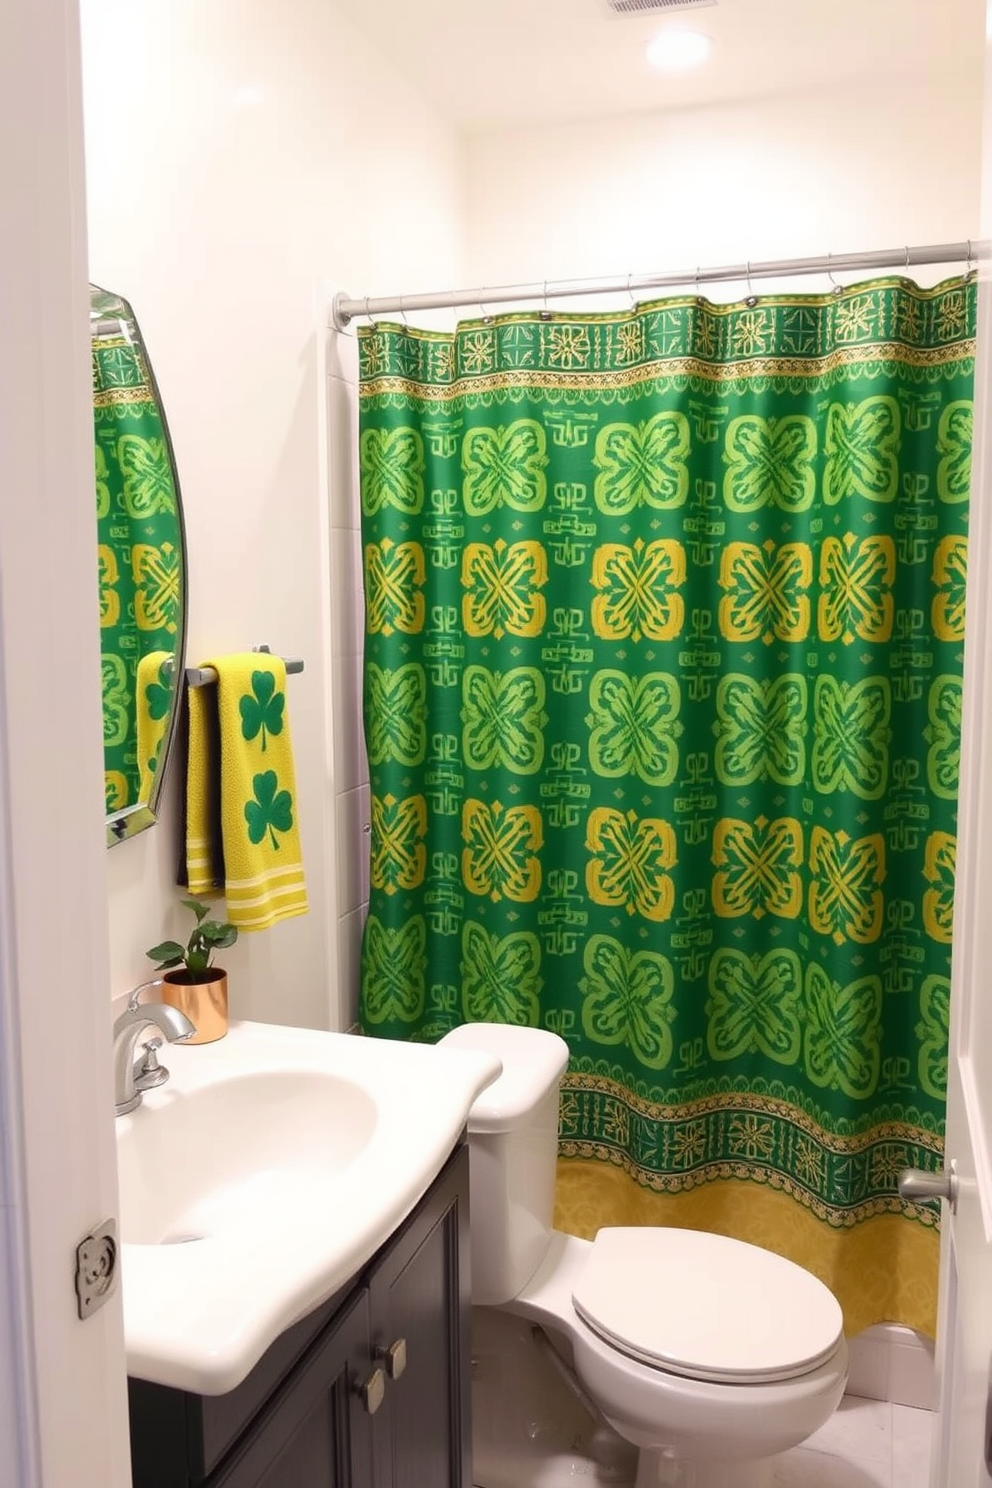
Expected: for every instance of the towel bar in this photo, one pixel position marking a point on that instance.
(204, 676)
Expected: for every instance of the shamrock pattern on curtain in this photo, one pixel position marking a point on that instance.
(139, 561)
(664, 627)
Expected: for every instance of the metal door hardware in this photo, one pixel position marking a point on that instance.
(96, 1268)
(916, 1183)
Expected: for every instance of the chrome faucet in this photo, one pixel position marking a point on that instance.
(132, 1077)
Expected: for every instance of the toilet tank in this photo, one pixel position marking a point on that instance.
(513, 1150)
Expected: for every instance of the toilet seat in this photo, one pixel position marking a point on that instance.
(705, 1306)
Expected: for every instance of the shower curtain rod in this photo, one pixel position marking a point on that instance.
(344, 308)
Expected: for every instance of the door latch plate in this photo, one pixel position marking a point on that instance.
(96, 1268)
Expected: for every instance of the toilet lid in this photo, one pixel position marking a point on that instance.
(705, 1306)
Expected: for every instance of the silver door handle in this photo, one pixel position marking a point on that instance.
(916, 1183)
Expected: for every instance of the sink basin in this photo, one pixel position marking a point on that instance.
(259, 1180)
(253, 1149)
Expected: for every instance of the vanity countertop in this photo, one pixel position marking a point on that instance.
(260, 1179)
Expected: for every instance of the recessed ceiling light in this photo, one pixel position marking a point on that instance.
(677, 50)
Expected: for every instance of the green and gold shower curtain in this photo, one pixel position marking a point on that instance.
(664, 623)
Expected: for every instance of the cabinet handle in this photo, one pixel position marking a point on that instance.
(373, 1391)
(394, 1357)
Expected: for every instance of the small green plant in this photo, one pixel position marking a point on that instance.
(195, 955)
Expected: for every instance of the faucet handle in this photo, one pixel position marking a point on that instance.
(148, 1072)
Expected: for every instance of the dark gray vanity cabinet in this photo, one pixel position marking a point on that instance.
(370, 1391)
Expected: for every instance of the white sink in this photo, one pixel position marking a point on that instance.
(263, 1176)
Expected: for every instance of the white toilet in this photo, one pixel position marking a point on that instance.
(708, 1355)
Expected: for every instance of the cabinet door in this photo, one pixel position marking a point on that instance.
(316, 1432)
(420, 1298)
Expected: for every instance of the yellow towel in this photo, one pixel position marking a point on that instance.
(153, 709)
(239, 748)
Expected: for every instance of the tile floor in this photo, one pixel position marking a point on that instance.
(865, 1444)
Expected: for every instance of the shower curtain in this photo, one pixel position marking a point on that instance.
(664, 624)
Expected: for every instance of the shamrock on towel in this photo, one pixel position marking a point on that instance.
(271, 811)
(263, 710)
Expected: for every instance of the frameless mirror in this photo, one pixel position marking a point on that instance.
(141, 563)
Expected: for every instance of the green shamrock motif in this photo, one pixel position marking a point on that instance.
(393, 976)
(954, 438)
(761, 729)
(843, 1033)
(944, 736)
(505, 467)
(770, 463)
(396, 713)
(935, 1007)
(627, 998)
(851, 736)
(262, 710)
(642, 464)
(754, 1005)
(862, 447)
(634, 726)
(159, 693)
(391, 463)
(147, 473)
(501, 980)
(503, 714)
(116, 700)
(102, 483)
(271, 811)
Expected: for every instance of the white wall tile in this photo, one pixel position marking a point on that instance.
(351, 767)
(347, 604)
(342, 453)
(349, 964)
(352, 849)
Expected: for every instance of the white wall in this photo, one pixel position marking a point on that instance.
(802, 174)
(244, 159)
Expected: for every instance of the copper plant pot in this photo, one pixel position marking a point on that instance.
(204, 1003)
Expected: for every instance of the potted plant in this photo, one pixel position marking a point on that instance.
(191, 982)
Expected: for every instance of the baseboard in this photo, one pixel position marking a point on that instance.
(890, 1362)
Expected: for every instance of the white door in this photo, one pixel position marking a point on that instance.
(63, 1404)
(964, 1345)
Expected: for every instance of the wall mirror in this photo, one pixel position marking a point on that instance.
(141, 566)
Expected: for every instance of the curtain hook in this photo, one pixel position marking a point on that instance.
(486, 317)
(835, 288)
(700, 299)
(369, 316)
(969, 263)
(907, 255)
(752, 298)
(403, 313)
(545, 314)
(630, 292)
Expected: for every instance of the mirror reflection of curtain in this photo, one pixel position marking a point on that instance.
(663, 698)
(139, 562)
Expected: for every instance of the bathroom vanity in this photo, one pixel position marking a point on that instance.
(371, 1390)
(295, 1263)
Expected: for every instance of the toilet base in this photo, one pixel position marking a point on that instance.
(655, 1470)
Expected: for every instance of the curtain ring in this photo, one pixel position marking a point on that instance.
(700, 299)
(630, 292)
(752, 298)
(835, 288)
(486, 317)
(907, 255)
(403, 313)
(369, 316)
(545, 314)
(969, 263)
